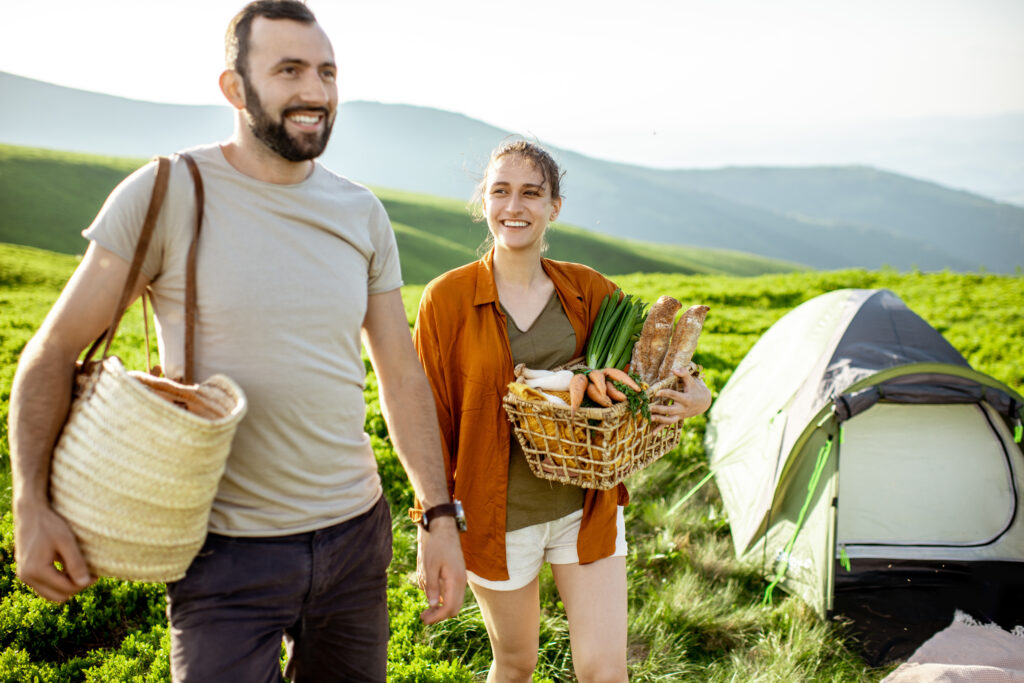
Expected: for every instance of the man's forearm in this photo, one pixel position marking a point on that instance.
(412, 424)
(40, 399)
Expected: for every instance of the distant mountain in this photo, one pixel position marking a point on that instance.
(48, 197)
(829, 217)
(980, 154)
(975, 229)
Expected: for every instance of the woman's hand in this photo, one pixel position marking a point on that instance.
(693, 399)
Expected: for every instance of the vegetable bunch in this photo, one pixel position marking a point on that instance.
(616, 329)
(582, 386)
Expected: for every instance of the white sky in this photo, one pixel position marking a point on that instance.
(631, 80)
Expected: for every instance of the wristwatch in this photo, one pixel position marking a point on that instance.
(453, 509)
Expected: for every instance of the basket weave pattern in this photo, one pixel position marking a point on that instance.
(134, 476)
(594, 447)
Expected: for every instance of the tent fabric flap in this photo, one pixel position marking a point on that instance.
(753, 413)
(805, 567)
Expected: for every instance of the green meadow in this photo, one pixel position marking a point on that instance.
(695, 613)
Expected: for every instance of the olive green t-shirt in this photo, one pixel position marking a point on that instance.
(548, 343)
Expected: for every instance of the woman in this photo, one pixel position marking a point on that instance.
(474, 324)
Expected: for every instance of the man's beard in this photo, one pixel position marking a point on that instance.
(273, 134)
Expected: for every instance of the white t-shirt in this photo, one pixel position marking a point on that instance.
(283, 275)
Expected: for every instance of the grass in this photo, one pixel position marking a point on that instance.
(695, 612)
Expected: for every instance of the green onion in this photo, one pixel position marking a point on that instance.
(615, 331)
(600, 322)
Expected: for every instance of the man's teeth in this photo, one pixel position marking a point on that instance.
(516, 224)
(300, 118)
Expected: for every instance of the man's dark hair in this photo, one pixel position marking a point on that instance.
(236, 40)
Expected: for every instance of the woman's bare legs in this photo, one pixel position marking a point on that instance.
(595, 602)
(513, 624)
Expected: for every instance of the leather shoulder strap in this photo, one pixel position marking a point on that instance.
(156, 201)
(191, 303)
(145, 237)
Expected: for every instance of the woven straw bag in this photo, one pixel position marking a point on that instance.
(138, 461)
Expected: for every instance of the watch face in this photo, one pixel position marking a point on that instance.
(460, 516)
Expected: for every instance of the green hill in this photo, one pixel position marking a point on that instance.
(49, 197)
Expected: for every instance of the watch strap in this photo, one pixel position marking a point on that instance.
(424, 517)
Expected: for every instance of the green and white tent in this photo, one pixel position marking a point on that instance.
(853, 438)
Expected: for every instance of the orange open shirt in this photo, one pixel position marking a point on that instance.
(463, 345)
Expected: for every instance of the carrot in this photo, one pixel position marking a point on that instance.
(614, 393)
(577, 387)
(619, 376)
(597, 379)
(596, 395)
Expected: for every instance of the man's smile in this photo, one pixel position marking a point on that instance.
(306, 119)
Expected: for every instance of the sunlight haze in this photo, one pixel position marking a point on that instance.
(657, 82)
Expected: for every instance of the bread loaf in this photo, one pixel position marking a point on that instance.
(684, 341)
(649, 349)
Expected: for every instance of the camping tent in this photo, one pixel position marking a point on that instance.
(855, 448)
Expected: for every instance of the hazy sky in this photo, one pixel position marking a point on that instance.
(633, 80)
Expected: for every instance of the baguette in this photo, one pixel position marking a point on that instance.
(654, 339)
(684, 341)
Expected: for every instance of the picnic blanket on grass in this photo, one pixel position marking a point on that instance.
(966, 652)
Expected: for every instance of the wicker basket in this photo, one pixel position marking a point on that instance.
(595, 448)
(137, 466)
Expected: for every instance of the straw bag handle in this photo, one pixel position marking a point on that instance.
(145, 237)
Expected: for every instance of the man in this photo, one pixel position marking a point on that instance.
(296, 266)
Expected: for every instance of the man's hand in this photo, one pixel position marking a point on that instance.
(42, 537)
(440, 570)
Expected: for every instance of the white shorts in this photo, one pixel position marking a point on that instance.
(526, 549)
